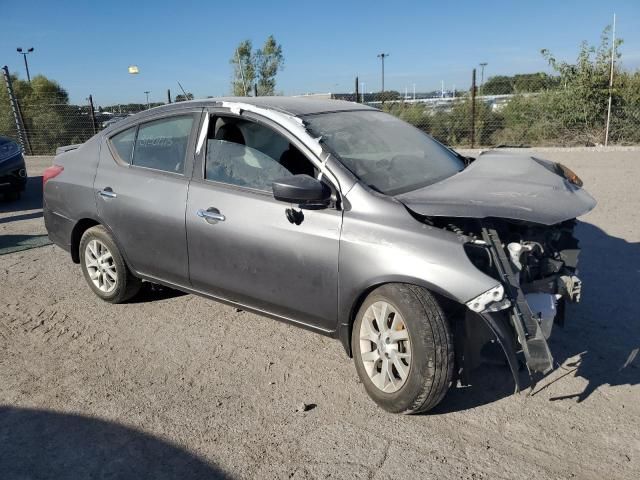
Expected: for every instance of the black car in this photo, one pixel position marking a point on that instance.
(13, 172)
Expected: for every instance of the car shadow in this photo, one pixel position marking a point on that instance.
(23, 216)
(601, 340)
(30, 199)
(19, 242)
(152, 292)
(47, 444)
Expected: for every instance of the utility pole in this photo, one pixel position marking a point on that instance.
(147, 92)
(613, 55)
(473, 108)
(382, 56)
(26, 64)
(482, 65)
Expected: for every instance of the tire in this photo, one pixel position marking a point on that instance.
(112, 280)
(428, 350)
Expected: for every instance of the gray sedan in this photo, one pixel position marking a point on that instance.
(335, 217)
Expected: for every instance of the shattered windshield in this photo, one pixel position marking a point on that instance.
(384, 152)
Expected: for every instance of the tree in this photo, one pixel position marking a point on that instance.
(574, 111)
(269, 60)
(387, 95)
(49, 119)
(498, 85)
(520, 83)
(258, 67)
(244, 72)
(182, 98)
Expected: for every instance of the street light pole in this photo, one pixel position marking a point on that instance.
(482, 65)
(26, 64)
(382, 56)
(147, 92)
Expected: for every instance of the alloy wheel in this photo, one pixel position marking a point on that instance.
(385, 348)
(101, 266)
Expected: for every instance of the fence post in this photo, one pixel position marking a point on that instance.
(473, 108)
(255, 89)
(357, 92)
(92, 112)
(168, 95)
(17, 114)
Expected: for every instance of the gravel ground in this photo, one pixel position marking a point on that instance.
(176, 386)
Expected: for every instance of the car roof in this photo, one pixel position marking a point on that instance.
(296, 106)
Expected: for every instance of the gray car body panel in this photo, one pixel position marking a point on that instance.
(504, 185)
(148, 214)
(313, 274)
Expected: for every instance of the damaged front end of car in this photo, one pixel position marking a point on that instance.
(536, 266)
(516, 215)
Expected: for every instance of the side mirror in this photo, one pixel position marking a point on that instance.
(303, 190)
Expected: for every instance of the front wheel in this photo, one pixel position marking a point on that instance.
(403, 348)
(104, 268)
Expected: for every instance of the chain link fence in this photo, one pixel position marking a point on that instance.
(523, 110)
(534, 114)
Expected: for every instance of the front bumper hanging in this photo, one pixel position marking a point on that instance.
(530, 335)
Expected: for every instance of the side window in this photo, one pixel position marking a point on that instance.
(162, 144)
(123, 143)
(250, 155)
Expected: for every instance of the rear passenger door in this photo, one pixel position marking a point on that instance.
(141, 192)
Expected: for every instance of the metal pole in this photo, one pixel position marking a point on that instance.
(168, 95)
(147, 94)
(382, 95)
(382, 56)
(26, 66)
(357, 91)
(613, 52)
(255, 89)
(482, 65)
(17, 114)
(473, 108)
(92, 111)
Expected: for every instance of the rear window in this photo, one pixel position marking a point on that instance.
(123, 143)
(162, 144)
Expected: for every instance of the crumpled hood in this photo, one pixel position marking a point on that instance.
(503, 185)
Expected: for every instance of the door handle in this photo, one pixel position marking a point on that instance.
(107, 192)
(211, 215)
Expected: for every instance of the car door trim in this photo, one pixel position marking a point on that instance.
(242, 306)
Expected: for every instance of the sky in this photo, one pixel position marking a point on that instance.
(87, 46)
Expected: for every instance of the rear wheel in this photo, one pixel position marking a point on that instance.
(104, 268)
(403, 348)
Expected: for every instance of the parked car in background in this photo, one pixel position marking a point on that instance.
(335, 217)
(13, 171)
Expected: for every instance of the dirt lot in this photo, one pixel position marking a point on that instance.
(176, 386)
